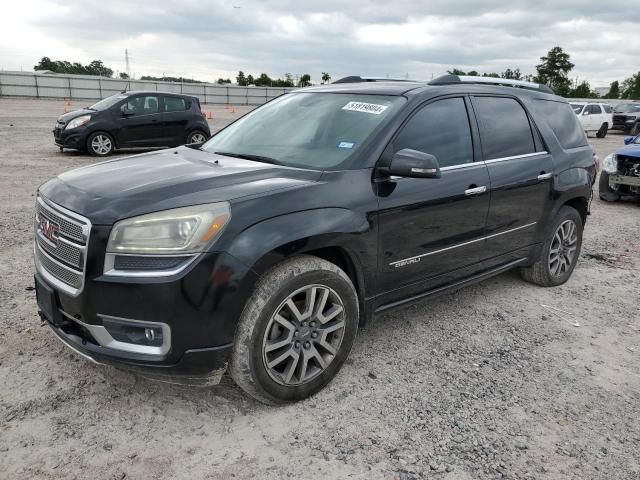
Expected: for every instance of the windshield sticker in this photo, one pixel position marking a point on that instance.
(346, 144)
(365, 107)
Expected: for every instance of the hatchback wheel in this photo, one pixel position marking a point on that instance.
(296, 331)
(560, 251)
(196, 137)
(100, 144)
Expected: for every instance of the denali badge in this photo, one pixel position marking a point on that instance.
(48, 229)
(404, 263)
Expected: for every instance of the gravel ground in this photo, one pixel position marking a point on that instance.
(480, 384)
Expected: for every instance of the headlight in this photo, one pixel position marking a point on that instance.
(610, 163)
(181, 230)
(78, 121)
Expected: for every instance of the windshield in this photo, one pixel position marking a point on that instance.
(628, 107)
(308, 130)
(107, 102)
(577, 107)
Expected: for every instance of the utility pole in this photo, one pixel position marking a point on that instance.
(126, 60)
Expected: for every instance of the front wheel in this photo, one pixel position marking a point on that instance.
(296, 330)
(100, 144)
(603, 131)
(560, 251)
(607, 193)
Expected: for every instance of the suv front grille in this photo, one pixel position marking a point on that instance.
(61, 240)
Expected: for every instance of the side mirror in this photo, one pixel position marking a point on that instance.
(413, 163)
(628, 140)
(127, 112)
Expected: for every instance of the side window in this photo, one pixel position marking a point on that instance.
(504, 127)
(595, 109)
(565, 125)
(174, 104)
(142, 105)
(441, 129)
(608, 109)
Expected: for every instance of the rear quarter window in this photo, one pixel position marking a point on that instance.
(564, 123)
(175, 104)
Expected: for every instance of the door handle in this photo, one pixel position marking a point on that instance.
(544, 176)
(475, 191)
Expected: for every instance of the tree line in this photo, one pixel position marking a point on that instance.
(554, 69)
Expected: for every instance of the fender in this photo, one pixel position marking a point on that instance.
(267, 243)
(571, 184)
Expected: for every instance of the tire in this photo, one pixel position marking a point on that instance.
(635, 130)
(196, 136)
(100, 144)
(603, 131)
(565, 236)
(267, 351)
(607, 193)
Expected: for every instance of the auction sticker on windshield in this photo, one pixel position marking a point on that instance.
(365, 107)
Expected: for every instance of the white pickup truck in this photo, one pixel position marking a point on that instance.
(594, 117)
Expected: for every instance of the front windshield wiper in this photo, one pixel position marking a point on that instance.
(249, 156)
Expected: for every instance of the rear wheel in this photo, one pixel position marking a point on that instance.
(560, 251)
(100, 144)
(296, 331)
(603, 131)
(607, 193)
(197, 136)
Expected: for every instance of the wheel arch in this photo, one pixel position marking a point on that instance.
(101, 130)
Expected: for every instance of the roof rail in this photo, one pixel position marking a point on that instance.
(451, 79)
(359, 79)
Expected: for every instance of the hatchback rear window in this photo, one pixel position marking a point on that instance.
(563, 122)
(174, 104)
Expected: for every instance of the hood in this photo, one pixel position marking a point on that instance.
(632, 150)
(65, 118)
(126, 187)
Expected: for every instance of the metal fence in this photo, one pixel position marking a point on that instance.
(83, 87)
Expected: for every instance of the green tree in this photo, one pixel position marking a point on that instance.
(614, 90)
(222, 81)
(96, 67)
(305, 80)
(512, 74)
(582, 90)
(491, 75)
(124, 76)
(631, 87)
(471, 72)
(263, 80)
(250, 80)
(456, 71)
(326, 78)
(241, 79)
(554, 71)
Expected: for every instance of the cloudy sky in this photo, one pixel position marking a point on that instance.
(206, 39)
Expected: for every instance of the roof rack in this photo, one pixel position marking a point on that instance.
(358, 79)
(452, 79)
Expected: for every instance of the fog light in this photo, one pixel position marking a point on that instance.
(133, 332)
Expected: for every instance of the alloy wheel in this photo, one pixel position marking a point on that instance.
(101, 144)
(197, 137)
(563, 248)
(304, 335)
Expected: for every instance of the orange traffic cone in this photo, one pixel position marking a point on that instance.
(67, 107)
(209, 116)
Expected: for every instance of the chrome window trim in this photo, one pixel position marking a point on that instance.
(104, 338)
(110, 259)
(411, 259)
(516, 157)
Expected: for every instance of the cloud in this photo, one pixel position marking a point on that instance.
(208, 39)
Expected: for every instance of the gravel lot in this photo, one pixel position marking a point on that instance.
(479, 384)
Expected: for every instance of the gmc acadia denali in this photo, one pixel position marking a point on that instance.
(261, 251)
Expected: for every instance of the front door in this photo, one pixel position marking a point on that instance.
(432, 228)
(140, 122)
(520, 170)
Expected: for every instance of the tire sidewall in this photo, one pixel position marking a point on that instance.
(96, 154)
(251, 362)
(193, 132)
(565, 213)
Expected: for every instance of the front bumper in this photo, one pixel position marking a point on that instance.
(75, 139)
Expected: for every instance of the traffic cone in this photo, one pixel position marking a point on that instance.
(233, 109)
(67, 107)
(209, 116)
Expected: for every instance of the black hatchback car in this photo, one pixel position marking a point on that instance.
(133, 119)
(262, 251)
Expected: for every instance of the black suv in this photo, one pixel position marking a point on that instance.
(626, 117)
(263, 250)
(133, 119)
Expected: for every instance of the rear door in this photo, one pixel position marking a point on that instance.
(520, 170)
(140, 122)
(176, 119)
(429, 229)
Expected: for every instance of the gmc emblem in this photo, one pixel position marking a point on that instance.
(48, 229)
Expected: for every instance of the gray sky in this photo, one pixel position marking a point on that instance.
(208, 39)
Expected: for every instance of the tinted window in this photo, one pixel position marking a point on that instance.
(577, 107)
(595, 109)
(504, 127)
(142, 105)
(607, 108)
(441, 129)
(174, 104)
(563, 122)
